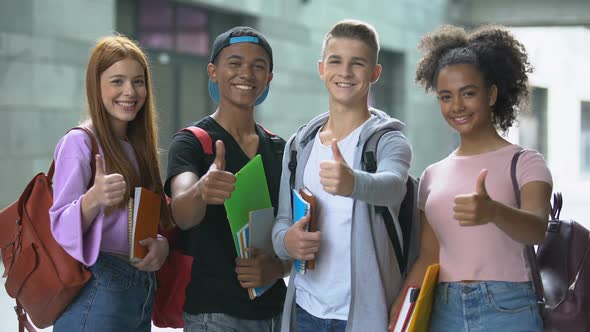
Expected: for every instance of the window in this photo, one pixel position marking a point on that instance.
(533, 122)
(173, 27)
(388, 93)
(585, 137)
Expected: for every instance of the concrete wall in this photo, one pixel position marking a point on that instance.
(44, 48)
(522, 12)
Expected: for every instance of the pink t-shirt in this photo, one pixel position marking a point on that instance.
(477, 252)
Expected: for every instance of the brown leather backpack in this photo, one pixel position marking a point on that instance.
(40, 274)
(560, 269)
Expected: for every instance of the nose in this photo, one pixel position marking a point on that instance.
(458, 104)
(129, 89)
(346, 71)
(246, 72)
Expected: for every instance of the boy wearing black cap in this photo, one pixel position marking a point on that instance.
(240, 71)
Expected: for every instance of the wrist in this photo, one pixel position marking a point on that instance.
(197, 192)
(495, 212)
(90, 200)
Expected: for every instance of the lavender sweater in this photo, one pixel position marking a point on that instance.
(72, 175)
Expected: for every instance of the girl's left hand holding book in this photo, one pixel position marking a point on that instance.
(158, 250)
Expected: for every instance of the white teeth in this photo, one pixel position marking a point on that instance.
(126, 104)
(244, 87)
(344, 85)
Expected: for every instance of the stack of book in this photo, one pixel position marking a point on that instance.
(257, 234)
(144, 218)
(414, 313)
(250, 214)
(305, 203)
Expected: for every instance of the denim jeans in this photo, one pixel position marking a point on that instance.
(118, 297)
(485, 306)
(307, 322)
(218, 322)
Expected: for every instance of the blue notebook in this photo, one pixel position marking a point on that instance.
(300, 209)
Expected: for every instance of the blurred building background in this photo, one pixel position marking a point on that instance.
(44, 49)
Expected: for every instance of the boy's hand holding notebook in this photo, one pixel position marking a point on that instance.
(144, 217)
(303, 203)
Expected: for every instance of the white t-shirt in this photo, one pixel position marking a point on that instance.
(324, 291)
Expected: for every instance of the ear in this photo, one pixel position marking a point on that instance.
(376, 73)
(211, 69)
(493, 95)
(270, 76)
(321, 68)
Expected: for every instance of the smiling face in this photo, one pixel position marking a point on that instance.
(123, 91)
(242, 71)
(348, 69)
(465, 100)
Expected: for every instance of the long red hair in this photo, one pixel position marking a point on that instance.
(142, 132)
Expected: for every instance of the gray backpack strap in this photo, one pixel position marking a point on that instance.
(405, 246)
(294, 145)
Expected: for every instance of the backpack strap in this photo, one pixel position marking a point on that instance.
(278, 144)
(369, 164)
(202, 136)
(94, 152)
(529, 250)
(292, 162)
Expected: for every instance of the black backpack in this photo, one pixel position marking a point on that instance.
(407, 248)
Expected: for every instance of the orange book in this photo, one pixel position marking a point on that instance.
(313, 223)
(144, 221)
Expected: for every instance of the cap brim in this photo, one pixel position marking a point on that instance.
(214, 93)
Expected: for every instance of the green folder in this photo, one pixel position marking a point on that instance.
(251, 194)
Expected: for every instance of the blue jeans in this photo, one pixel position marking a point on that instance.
(118, 297)
(218, 322)
(485, 306)
(307, 322)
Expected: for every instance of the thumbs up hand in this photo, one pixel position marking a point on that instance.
(108, 189)
(475, 208)
(336, 176)
(216, 185)
(301, 244)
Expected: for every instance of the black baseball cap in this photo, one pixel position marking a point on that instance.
(240, 34)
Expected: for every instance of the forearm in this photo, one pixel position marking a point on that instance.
(380, 189)
(415, 277)
(188, 208)
(521, 225)
(90, 208)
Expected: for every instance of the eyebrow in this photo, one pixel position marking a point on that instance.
(123, 76)
(470, 86)
(354, 58)
(239, 57)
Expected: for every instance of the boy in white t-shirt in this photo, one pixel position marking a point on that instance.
(356, 277)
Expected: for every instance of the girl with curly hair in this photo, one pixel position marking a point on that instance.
(471, 224)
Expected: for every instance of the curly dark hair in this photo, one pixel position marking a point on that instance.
(501, 59)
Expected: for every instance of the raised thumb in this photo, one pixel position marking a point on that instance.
(219, 155)
(99, 166)
(336, 151)
(480, 185)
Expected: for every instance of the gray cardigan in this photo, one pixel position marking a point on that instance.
(376, 279)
